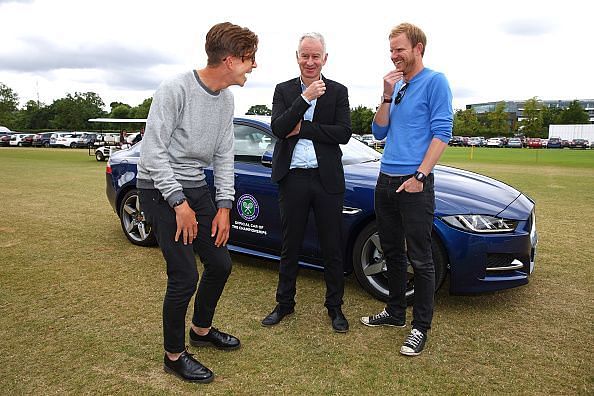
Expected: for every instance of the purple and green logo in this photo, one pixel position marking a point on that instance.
(248, 207)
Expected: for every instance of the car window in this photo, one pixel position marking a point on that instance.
(251, 143)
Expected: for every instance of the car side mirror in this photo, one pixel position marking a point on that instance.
(267, 158)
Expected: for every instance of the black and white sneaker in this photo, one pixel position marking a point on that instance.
(414, 343)
(382, 319)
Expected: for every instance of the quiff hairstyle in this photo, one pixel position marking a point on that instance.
(225, 39)
(414, 34)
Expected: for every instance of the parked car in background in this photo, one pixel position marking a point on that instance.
(4, 130)
(564, 143)
(457, 141)
(86, 139)
(484, 231)
(534, 143)
(5, 139)
(515, 143)
(580, 143)
(16, 139)
(495, 142)
(65, 140)
(475, 141)
(27, 141)
(42, 139)
(554, 143)
(368, 139)
(545, 143)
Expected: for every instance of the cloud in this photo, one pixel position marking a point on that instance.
(528, 27)
(14, 1)
(40, 55)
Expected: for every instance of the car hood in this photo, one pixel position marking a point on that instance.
(457, 191)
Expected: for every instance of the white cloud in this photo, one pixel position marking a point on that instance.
(122, 49)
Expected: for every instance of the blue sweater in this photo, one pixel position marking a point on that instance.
(425, 112)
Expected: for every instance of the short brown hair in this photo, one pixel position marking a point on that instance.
(225, 39)
(414, 34)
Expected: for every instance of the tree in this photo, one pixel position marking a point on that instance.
(142, 110)
(120, 111)
(73, 111)
(549, 115)
(361, 119)
(574, 114)
(466, 123)
(259, 110)
(497, 120)
(34, 116)
(531, 125)
(9, 102)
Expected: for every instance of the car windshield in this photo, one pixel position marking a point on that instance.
(356, 152)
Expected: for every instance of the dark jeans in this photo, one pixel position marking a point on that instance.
(404, 222)
(182, 273)
(300, 191)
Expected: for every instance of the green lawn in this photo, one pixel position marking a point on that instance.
(80, 307)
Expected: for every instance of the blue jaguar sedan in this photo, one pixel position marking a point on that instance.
(484, 231)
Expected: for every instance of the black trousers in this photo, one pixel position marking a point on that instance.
(182, 273)
(300, 191)
(404, 222)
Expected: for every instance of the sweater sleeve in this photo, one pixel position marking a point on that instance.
(442, 115)
(161, 122)
(223, 166)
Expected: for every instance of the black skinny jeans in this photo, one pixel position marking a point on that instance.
(182, 273)
(407, 217)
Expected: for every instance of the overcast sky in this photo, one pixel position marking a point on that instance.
(122, 49)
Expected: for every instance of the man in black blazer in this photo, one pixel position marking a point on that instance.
(311, 118)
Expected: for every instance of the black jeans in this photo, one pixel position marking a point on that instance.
(404, 222)
(300, 191)
(182, 273)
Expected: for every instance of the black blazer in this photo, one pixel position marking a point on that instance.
(330, 126)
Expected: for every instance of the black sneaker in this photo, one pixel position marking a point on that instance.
(214, 338)
(414, 343)
(188, 368)
(383, 319)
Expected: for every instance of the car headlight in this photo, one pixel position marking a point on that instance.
(481, 223)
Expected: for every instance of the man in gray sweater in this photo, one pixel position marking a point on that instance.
(189, 127)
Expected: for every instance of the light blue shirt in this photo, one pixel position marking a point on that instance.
(304, 154)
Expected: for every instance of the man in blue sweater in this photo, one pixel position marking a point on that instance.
(415, 114)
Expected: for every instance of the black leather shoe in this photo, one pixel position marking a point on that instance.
(214, 338)
(340, 324)
(188, 368)
(276, 315)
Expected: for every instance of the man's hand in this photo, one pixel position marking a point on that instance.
(220, 227)
(187, 226)
(295, 130)
(315, 90)
(390, 81)
(412, 185)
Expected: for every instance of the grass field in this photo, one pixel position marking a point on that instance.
(80, 307)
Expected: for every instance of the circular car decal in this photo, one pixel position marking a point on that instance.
(248, 207)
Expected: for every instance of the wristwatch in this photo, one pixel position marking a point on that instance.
(420, 176)
(386, 100)
(179, 202)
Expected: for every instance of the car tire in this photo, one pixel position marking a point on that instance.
(99, 156)
(370, 267)
(72, 145)
(46, 145)
(135, 227)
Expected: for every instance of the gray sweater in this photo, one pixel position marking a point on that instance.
(189, 127)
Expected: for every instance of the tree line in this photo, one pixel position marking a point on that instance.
(70, 113)
(73, 111)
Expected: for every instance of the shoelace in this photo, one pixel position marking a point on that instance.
(414, 338)
(380, 315)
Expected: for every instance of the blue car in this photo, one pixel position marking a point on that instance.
(484, 232)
